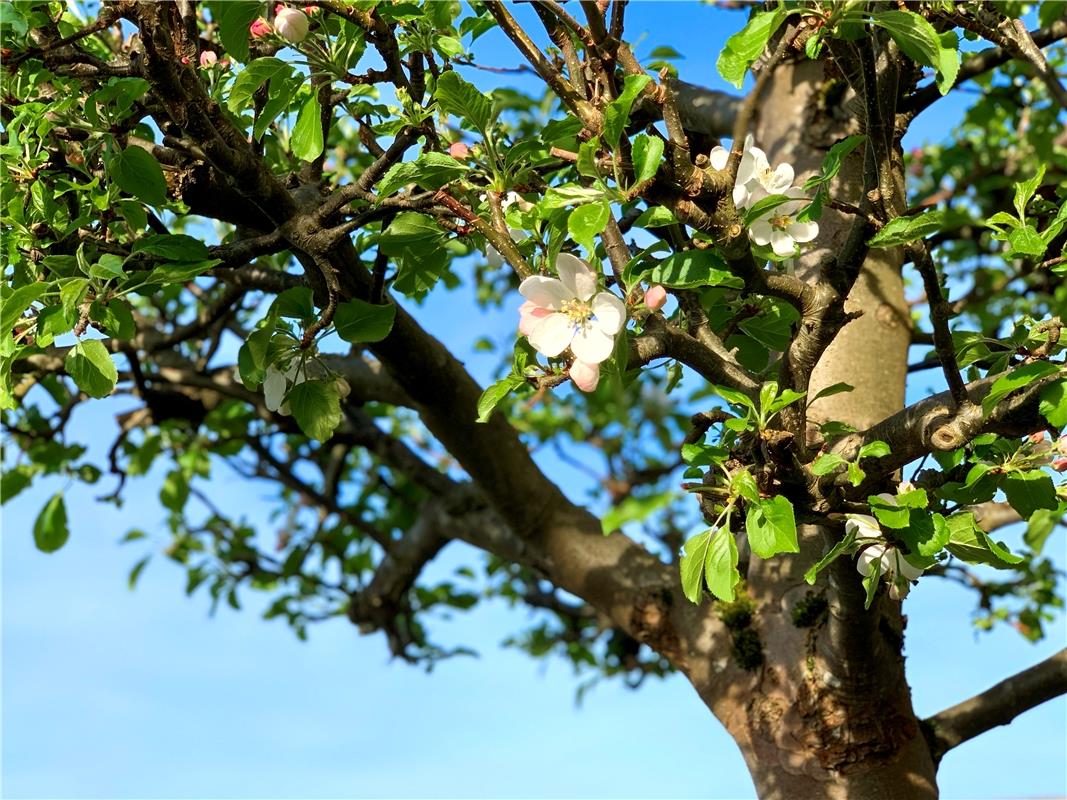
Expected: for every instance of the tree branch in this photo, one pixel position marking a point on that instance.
(998, 705)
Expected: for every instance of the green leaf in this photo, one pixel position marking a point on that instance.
(914, 35)
(295, 303)
(765, 206)
(647, 156)
(50, 530)
(747, 45)
(429, 170)
(136, 172)
(634, 509)
(831, 390)
(831, 555)
(1029, 491)
(889, 513)
(1018, 378)
(1025, 190)
(875, 449)
(694, 556)
(772, 527)
(306, 142)
(1053, 405)
(252, 77)
(742, 484)
(948, 61)
(316, 407)
(461, 99)
(1027, 241)
(901, 230)
(14, 480)
(655, 217)
(252, 358)
(690, 269)
(570, 195)
(971, 544)
(492, 396)
(108, 266)
(617, 113)
(826, 463)
(233, 18)
(831, 163)
(409, 229)
(135, 573)
(172, 247)
(174, 491)
(91, 367)
(14, 303)
(720, 570)
(703, 455)
(358, 321)
(1040, 527)
(115, 317)
(586, 222)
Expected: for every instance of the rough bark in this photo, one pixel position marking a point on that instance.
(828, 713)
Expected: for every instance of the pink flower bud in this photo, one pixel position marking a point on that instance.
(208, 59)
(1060, 464)
(587, 376)
(311, 9)
(655, 298)
(185, 59)
(1061, 445)
(1037, 438)
(291, 24)
(459, 150)
(260, 28)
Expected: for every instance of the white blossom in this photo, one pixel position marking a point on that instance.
(754, 173)
(779, 227)
(880, 555)
(569, 312)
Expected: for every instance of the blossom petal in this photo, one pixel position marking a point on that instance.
(718, 157)
(782, 243)
(863, 525)
(781, 178)
(576, 276)
(610, 312)
(905, 568)
(870, 559)
(742, 199)
(552, 335)
(585, 376)
(803, 231)
(529, 315)
(545, 292)
(274, 385)
(592, 345)
(761, 231)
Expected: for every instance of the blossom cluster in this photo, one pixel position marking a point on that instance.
(876, 553)
(289, 23)
(569, 313)
(756, 179)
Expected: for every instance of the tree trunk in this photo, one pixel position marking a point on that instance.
(827, 712)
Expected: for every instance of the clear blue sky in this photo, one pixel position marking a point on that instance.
(113, 694)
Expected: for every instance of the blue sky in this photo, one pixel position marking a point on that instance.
(113, 694)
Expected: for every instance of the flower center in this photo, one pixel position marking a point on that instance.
(579, 311)
(781, 222)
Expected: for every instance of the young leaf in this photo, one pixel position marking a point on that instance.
(913, 34)
(634, 509)
(747, 45)
(772, 527)
(694, 557)
(316, 407)
(14, 303)
(971, 544)
(901, 230)
(720, 570)
(136, 172)
(691, 269)
(826, 463)
(306, 142)
(1018, 378)
(50, 530)
(457, 97)
(233, 18)
(492, 396)
(841, 547)
(1029, 491)
(647, 156)
(91, 367)
(586, 222)
(358, 321)
(618, 111)
(831, 164)
(1053, 405)
(429, 170)
(1024, 191)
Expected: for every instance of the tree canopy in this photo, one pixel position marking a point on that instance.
(236, 213)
